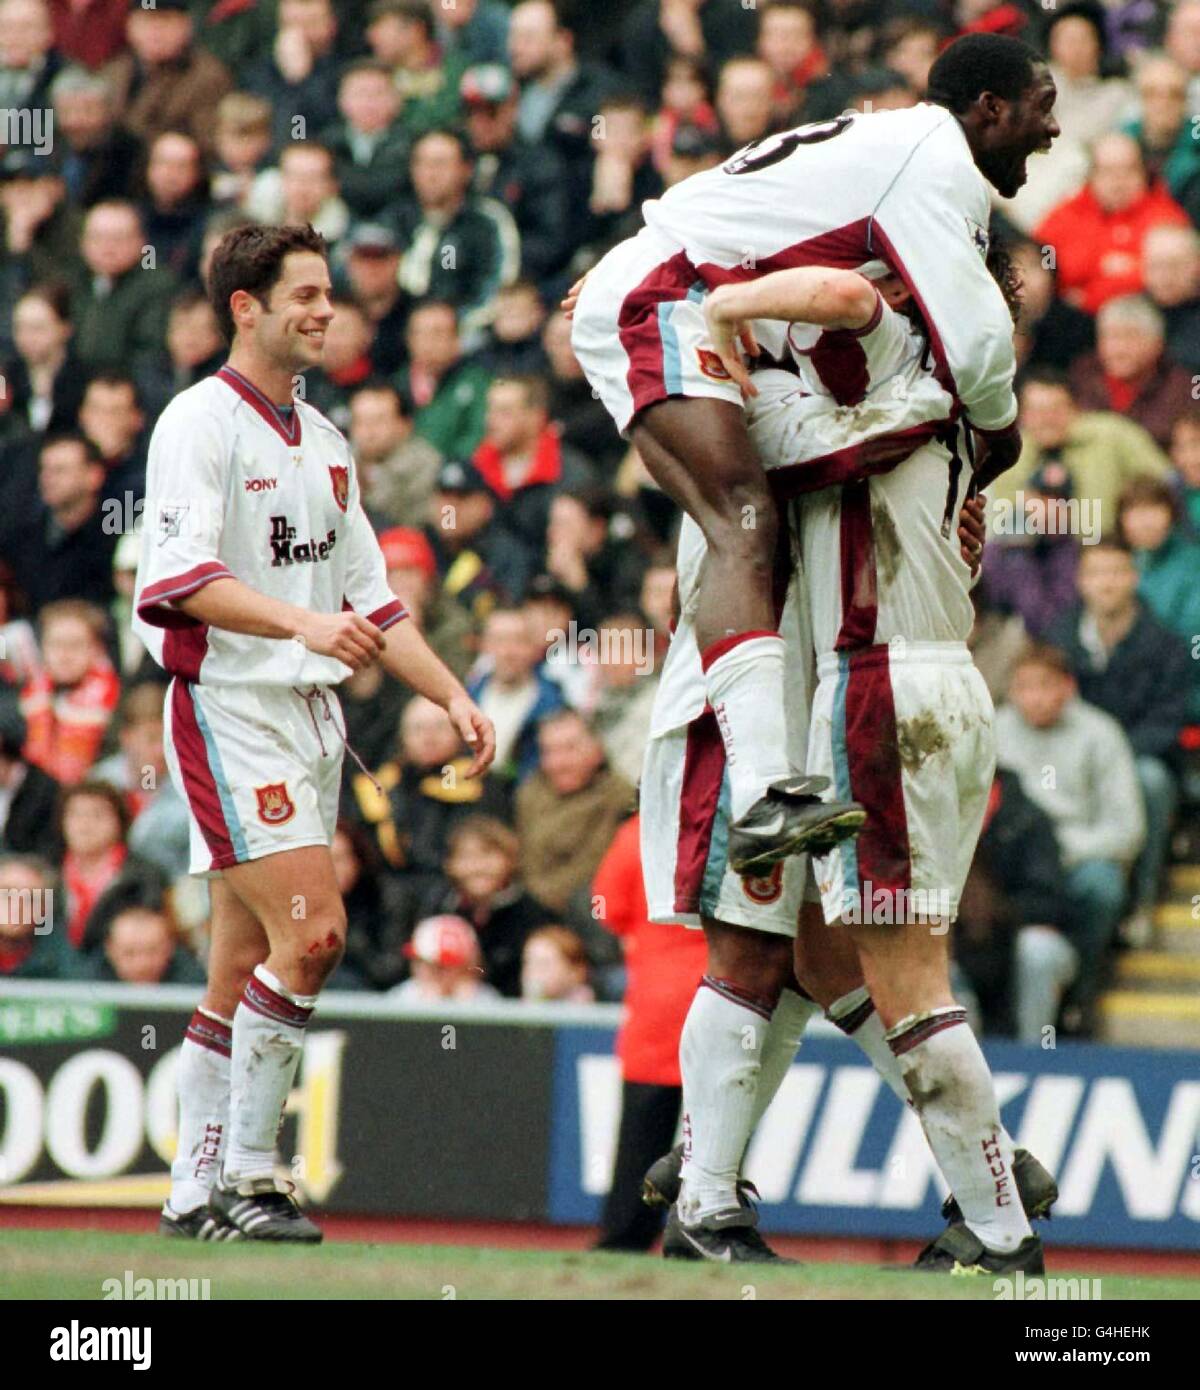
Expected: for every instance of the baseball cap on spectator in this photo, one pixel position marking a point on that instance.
(1052, 479)
(486, 84)
(457, 476)
(372, 239)
(405, 548)
(445, 940)
(694, 142)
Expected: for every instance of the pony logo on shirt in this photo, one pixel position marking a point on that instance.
(275, 806)
(768, 888)
(340, 477)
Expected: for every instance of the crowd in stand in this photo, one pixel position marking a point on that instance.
(466, 161)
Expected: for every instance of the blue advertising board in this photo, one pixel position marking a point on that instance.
(837, 1154)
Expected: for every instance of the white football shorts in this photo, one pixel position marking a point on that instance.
(258, 765)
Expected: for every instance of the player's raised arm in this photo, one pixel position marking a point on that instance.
(808, 294)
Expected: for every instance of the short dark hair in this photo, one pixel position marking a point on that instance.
(380, 386)
(104, 791)
(91, 453)
(1053, 377)
(979, 63)
(372, 65)
(447, 133)
(251, 259)
(1147, 491)
(1044, 654)
(112, 377)
(414, 11)
(537, 392)
(55, 294)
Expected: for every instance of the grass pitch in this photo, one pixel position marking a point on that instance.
(75, 1264)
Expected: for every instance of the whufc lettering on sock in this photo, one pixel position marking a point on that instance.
(203, 1084)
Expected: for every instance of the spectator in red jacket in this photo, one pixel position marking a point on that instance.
(68, 704)
(663, 964)
(1130, 373)
(1097, 235)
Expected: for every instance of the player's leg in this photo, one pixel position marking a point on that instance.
(698, 451)
(237, 944)
(828, 968)
(294, 895)
(720, 1061)
(906, 968)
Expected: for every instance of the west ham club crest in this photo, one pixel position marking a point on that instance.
(340, 477)
(275, 806)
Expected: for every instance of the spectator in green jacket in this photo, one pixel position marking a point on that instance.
(1166, 131)
(1101, 451)
(1168, 562)
(401, 35)
(457, 247)
(121, 297)
(369, 146)
(1185, 459)
(446, 393)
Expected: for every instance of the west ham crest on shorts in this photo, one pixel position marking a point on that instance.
(711, 365)
(768, 888)
(340, 477)
(275, 806)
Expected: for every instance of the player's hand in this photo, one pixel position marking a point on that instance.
(476, 730)
(995, 454)
(572, 298)
(731, 337)
(972, 531)
(347, 636)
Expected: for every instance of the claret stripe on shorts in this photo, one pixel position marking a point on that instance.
(866, 762)
(703, 770)
(204, 782)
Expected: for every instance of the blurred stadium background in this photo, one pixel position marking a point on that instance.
(463, 1080)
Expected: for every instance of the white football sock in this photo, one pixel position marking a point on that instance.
(268, 1034)
(952, 1093)
(855, 1015)
(203, 1086)
(744, 679)
(720, 1057)
(785, 1033)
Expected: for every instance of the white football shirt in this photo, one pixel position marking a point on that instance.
(896, 186)
(234, 488)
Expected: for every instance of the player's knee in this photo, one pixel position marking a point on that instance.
(320, 948)
(757, 962)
